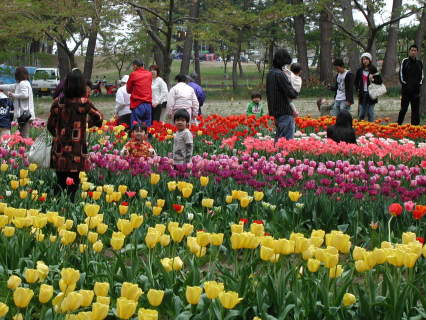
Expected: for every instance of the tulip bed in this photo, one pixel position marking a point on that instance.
(301, 229)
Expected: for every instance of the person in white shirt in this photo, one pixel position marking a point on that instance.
(122, 103)
(23, 99)
(293, 75)
(182, 96)
(159, 95)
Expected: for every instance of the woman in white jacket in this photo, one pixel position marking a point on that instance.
(159, 95)
(22, 98)
(122, 103)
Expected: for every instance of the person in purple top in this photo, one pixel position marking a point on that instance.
(199, 92)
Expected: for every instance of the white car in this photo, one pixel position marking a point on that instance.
(45, 81)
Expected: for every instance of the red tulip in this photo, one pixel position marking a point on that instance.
(69, 181)
(395, 209)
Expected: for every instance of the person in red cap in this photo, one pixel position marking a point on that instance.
(139, 88)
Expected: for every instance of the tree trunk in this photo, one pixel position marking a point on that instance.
(159, 60)
(197, 60)
(240, 67)
(90, 53)
(390, 60)
(302, 51)
(235, 71)
(271, 52)
(187, 47)
(187, 51)
(63, 61)
(326, 30)
(351, 48)
(421, 31)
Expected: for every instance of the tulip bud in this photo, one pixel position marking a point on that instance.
(22, 297)
(348, 299)
(155, 297)
(13, 282)
(193, 294)
(101, 289)
(46, 293)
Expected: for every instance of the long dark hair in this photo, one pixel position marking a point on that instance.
(344, 119)
(281, 58)
(75, 85)
(21, 74)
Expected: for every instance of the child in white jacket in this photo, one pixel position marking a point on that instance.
(295, 79)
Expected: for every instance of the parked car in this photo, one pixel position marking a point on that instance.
(45, 81)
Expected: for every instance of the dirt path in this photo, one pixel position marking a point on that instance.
(386, 107)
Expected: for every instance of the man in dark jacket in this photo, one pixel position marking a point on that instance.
(411, 78)
(279, 92)
(343, 87)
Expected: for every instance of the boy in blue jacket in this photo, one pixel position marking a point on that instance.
(6, 114)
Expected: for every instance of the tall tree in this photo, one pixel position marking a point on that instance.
(390, 60)
(348, 18)
(194, 12)
(302, 51)
(421, 30)
(326, 33)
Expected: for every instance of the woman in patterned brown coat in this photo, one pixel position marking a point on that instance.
(69, 117)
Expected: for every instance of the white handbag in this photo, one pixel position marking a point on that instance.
(376, 90)
(40, 150)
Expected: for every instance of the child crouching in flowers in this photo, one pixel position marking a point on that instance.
(183, 142)
(138, 146)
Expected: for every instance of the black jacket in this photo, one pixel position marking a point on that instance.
(6, 113)
(364, 97)
(349, 84)
(411, 76)
(279, 92)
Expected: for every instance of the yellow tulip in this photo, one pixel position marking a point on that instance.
(177, 234)
(207, 203)
(66, 288)
(103, 300)
(101, 289)
(71, 302)
(23, 194)
(244, 202)
(358, 253)
(258, 195)
(92, 237)
(13, 282)
(204, 181)
(348, 299)
(216, 239)
(117, 240)
(42, 269)
(53, 239)
(156, 210)
(187, 228)
(408, 237)
(3, 221)
(152, 238)
(101, 228)
(131, 291)
(125, 226)
(143, 193)
(410, 260)
(336, 271)
(99, 311)
(186, 192)
(125, 308)
(193, 294)
(136, 220)
(22, 297)
(313, 265)
(228, 199)
(68, 224)
(122, 189)
(46, 293)
(123, 210)
(82, 229)
(294, 195)
(31, 275)
(155, 178)
(176, 263)
(68, 237)
(257, 229)
(4, 309)
(229, 299)
(155, 297)
(213, 288)
(203, 238)
(237, 228)
(161, 203)
(23, 173)
(87, 297)
(18, 316)
(98, 246)
(266, 253)
(82, 247)
(14, 184)
(91, 210)
(361, 266)
(147, 314)
(4, 167)
(171, 185)
(70, 275)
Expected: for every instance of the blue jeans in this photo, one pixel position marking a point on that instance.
(141, 114)
(366, 109)
(338, 106)
(285, 127)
